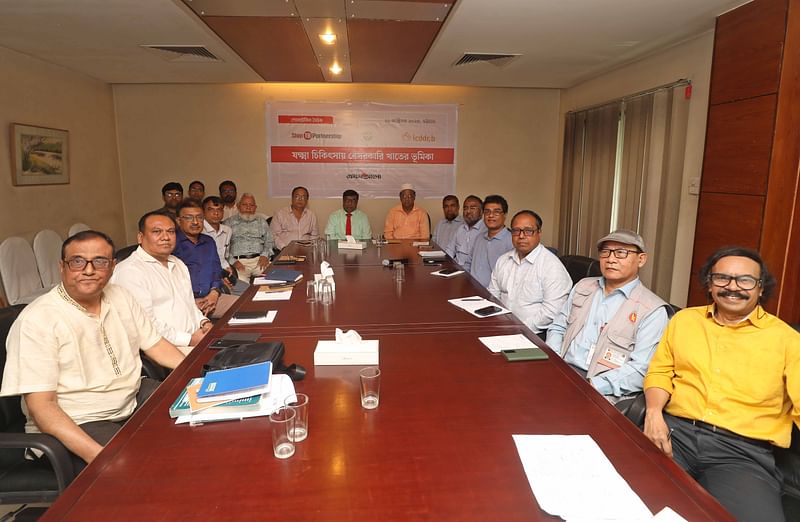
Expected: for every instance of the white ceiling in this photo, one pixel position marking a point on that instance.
(562, 42)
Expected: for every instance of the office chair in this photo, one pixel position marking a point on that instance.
(47, 249)
(122, 253)
(18, 271)
(580, 267)
(22, 480)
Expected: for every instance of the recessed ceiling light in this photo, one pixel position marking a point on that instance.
(328, 38)
(336, 68)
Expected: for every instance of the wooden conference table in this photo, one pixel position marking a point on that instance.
(439, 447)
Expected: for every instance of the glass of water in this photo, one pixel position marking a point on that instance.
(370, 387)
(282, 424)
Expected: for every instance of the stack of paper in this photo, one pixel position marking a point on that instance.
(271, 294)
(235, 383)
(432, 253)
(261, 317)
(475, 302)
(498, 343)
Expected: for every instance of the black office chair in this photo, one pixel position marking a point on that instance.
(123, 253)
(22, 480)
(580, 267)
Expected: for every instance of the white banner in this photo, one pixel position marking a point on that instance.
(372, 148)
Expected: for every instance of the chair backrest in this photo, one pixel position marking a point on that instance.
(47, 249)
(123, 253)
(77, 227)
(18, 270)
(580, 267)
(11, 416)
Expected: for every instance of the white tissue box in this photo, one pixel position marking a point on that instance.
(332, 353)
(356, 245)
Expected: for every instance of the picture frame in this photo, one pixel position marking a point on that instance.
(39, 155)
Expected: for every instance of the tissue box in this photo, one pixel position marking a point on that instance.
(331, 353)
(356, 245)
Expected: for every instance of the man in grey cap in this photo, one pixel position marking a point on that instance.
(610, 326)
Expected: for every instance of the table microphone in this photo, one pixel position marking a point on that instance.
(391, 262)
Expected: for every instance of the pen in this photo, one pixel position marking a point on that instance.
(669, 435)
(473, 299)
(209, 421)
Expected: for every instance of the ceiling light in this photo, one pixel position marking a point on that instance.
(328, 38)
(335, 68)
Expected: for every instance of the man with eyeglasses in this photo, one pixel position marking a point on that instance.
(723, 387)
(251, 240)
(446, 229)
(172, 194)
(609, 326)
(199, 253)
(460, 247)
(197, 190)
(161, 284)
(494, 242)
(530, 280)
(407, 220)
(294, 222)
(227, 193)
(73, 353)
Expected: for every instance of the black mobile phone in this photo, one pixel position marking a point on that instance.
(448, 271)
(487, 310)
(525, 354)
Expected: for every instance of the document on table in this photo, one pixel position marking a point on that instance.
(283, 295)
(571, 478)
(498, 343)
(470, 304)
(264, 319)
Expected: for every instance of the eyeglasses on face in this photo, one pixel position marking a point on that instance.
(524, 232)
(619, 253)
(174, 195)
(78, 263)
(493, 212)
(198, 219)
(745, 282)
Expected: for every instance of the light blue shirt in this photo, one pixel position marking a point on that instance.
(460, 247)
(626, 379)
(445, 231)
(486, 253)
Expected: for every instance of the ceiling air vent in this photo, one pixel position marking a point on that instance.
(182, 53)
(496, 59)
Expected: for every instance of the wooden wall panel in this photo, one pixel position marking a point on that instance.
(780, 239)
(747, 51)
(738, 146)
(723, 220)
(388, 51)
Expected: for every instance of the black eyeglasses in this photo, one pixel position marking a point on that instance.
(78, 263)
(619, 253)
(199, 219)
(524, 232)
(493, 212)
(745, 282)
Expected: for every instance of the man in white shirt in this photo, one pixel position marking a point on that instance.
(446, 229)
(213, 212)
(227, 194)
(73, 353)
(530, 280)
(161, 284)
(294, 222)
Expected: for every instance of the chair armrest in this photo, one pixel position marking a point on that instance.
(60, 458)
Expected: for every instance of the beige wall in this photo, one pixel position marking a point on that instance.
(508, 141)
(690, 60)
(37, 93)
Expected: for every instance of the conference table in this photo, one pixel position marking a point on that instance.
(439, 446)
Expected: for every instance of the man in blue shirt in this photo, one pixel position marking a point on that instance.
(492, 244)
(460, 247)
(610, 326)
(199, 252)
(446, 229)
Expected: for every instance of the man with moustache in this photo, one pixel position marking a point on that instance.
(348, 220)
(609, 327)
(197, 190)
(492, 243)
(221, 234)
(446, 229)
(530, 280)
(406, 220)
(723, 387)
(73, 353)
(251, 240)
(199, 252)
(294, 222)
(172, 194)
(460, 247)
(161, 284)
(227, 193)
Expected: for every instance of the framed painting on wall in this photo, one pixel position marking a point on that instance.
(39, 155)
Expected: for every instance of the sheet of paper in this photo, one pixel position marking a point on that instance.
(470, 304)
(284, 295)
(498, 343)
(571, 478)
(668, 515)
(260, 320)
(452, 274)
(282, 387)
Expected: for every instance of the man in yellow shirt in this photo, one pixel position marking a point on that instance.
(724, 387)
(406, 220)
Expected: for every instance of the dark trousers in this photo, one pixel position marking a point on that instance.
(740, 474)
(102, 431)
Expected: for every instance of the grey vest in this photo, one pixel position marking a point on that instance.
(620, 332)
